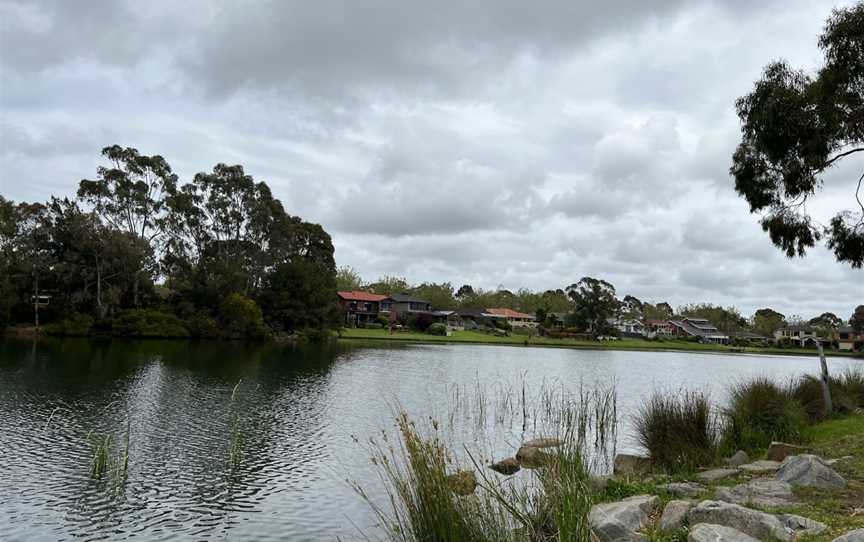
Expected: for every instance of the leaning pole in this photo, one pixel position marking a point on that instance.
(826, 390)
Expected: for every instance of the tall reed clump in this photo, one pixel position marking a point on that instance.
(680, 432)
(847, 393)
(761, 411)
(423, 480)
(108, 461)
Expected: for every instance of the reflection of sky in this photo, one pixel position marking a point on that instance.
(299, 409)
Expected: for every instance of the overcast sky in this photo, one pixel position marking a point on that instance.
(514, 144)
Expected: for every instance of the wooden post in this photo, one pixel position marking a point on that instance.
(826, 390)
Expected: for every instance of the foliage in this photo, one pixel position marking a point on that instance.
(766, 321)
(419, 321)
(439, 295)
(760, 411)
(148, 323)
(857, 319)
(726, 319)
(794, 128)
(348, 279)
(679, 431)
(437, 329)
(241, 318)
(76, 325)
(595, 303)
(387, 285)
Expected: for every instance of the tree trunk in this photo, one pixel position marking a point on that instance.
(100, 309)
(36, 299)
(135, 290)
(826, 390)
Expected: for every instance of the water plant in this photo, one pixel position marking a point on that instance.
(107, 461)
(235, 449)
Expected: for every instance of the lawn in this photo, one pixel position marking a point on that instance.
(476, 337)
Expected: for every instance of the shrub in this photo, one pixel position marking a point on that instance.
(679, 432)
(759, 412)
(501, 324)
(851, 382)
(419, 322)
(437, 329)
(148, 323)
(77, 325)
(241, 317)
(204, 327)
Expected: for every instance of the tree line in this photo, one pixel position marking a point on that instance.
(138, 252)
(588, 304)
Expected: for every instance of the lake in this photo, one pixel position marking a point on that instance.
(306, 414)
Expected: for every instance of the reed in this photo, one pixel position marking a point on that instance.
(107, 461)
(761, 411)
(235, 448)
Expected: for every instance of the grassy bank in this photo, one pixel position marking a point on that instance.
(476, 337)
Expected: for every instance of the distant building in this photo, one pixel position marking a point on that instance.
(628, 327)
(848, 340)
(700, 328)
(659, 328)
(514, 318)
(360, 307)
(405, 304)
(749, 337)
(797, 335)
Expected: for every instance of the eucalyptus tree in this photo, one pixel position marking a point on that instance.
(797, 126)
(595, 303)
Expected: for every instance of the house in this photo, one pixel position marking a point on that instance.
(749, 337)
(699, 328)
(360, 307)
(405, 304)
(798, 335)
(627, 327)
(659, 328)
(848, 340)
(451, 319)
(514, 318)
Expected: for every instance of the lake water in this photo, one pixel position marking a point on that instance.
(306, 412)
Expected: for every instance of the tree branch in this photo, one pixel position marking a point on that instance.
(841, 155)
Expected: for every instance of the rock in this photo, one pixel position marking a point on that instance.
(801, 525)
(759, 492)
(763, 466)
(683, 489)
(706, 532)
(757, 524)
(739, 458)
(631, 464)
(620, 521)
(674, 515)
(852, 536)
(532, 458)
(778, 451)
(462, 483)
(543, 443)
(714, 475)
(506, 466)
(809, 471)
(600, 482)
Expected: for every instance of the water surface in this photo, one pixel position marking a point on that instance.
(306, 413)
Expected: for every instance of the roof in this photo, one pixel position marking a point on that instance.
(355, 295)
(747, 335)
(509, 313)
(705, 329)
(406, 298)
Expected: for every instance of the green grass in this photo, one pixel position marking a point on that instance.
(477, 337)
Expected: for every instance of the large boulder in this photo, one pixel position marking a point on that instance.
(631, 464)
(620, 521)
(810, 471)
(506, 466)
(763, 466)
(706, 532)
(714, 475)
(852, 536)
(533, 458)
(801, 525)
(675, 515)
(544, 442)
(757, 524)
(738, 458)
(683, 489)
(759, 492)
(778, 451)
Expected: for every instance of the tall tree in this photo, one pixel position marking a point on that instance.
(595, 303)
(857, 319)
(766, 321)
(794, 128)
(130, 195)
(348, 279)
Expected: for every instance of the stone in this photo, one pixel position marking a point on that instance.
(532, 458)
(706, 532)
(760, 492)
(801, 525)
(809, 471)
(757, 524)
(462, 483)
(675, 515)
(506, 466)
(763, 466)
(543, 443)
(683, 489)
(631, 464)
(778, 451)
(739, 458)
(620, 521)
(852, 536)
(713, 475)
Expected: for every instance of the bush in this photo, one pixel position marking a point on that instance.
(501, 324)
(759, 412)
(419, 322)
(148, 323)
(437, 329)
(680, 432)
(77, 325)
(851, 382)
(204, 327)
(241, 318)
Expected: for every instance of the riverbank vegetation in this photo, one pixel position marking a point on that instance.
(138, 253)
(440, 490)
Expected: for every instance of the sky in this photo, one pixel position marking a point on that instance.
(493, 143)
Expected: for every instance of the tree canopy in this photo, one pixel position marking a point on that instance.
(795, 127)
